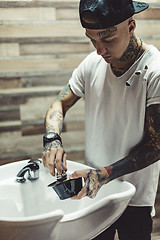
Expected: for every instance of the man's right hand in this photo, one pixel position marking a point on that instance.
(53, 157)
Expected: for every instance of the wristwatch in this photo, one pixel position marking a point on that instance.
(50, 137)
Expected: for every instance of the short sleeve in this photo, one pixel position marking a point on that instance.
(153, 91)
(84, 73)
(77, 81)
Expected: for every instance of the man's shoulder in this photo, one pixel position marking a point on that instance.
(151, 58)
(152, 53)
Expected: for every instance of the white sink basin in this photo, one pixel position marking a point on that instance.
(32, 211)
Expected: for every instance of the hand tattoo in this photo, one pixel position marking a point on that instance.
(54, 144)
(95, 180)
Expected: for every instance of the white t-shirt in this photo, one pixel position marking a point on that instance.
(115, 114)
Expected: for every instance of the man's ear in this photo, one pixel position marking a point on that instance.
(131, 28)
(132, 25)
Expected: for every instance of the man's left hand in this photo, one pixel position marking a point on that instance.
(94, 179)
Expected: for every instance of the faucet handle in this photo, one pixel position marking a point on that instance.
(33, 172)
(35, 160)
(33, 175)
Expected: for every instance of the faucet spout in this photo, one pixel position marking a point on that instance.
(33, 171)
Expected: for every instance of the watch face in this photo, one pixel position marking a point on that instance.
(50, 135)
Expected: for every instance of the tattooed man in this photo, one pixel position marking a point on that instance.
(121, 85)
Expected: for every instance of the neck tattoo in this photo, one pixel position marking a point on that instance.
(128, 56)
(140, 50)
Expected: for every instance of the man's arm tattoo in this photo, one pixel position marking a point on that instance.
(63, 93)
(55, 121)
(144, 153)
(55, 115)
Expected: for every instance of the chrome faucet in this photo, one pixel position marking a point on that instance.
(33, 171)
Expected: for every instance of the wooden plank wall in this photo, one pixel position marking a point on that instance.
(41, 42)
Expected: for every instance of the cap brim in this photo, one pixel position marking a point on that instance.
(139, 6)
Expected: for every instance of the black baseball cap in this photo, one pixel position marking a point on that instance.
(108, 13)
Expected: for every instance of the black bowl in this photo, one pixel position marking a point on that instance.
(67, 188)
